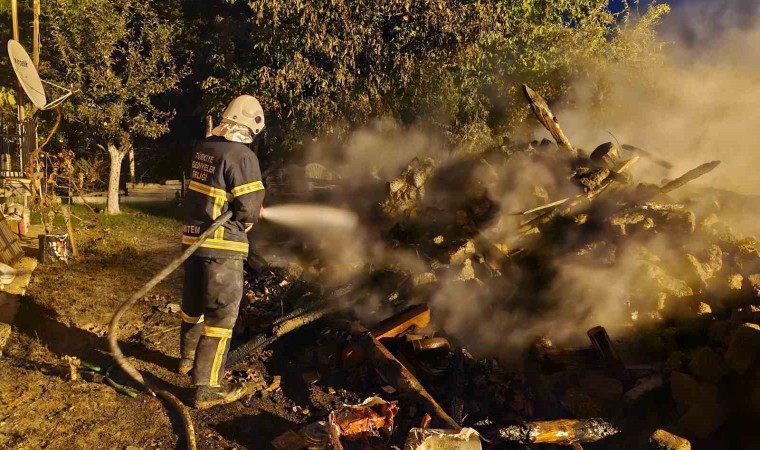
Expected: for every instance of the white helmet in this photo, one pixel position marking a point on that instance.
(246, 110)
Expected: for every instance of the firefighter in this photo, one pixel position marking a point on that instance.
(225, 175)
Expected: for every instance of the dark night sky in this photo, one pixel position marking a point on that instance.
(695, 22)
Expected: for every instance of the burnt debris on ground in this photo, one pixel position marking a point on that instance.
(526, 260)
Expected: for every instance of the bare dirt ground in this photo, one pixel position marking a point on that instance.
(66, 313)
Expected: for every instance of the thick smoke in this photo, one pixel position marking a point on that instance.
(699, 105)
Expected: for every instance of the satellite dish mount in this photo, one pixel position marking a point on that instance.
(30, 80)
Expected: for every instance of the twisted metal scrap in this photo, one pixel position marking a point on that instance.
(562, 432)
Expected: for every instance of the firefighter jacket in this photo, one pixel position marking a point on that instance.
(224, 176)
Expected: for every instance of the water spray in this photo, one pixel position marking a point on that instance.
(305, 217)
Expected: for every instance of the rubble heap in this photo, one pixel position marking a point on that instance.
(499, 226)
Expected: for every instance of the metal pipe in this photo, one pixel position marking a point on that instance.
(36, 35)
(14, 17)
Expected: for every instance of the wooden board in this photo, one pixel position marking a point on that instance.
(10, 247)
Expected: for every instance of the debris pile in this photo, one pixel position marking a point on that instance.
(531, 231)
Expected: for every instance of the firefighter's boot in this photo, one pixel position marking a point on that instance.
(208, 396)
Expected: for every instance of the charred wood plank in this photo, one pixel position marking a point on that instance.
(398, 376)
(689, 176)
(548, 120)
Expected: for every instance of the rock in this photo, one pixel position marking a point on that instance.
(754, 281)
(666, 282)
(748, 257)
(463, 252)
(468, 272)
(425, 278)
(662, 440)
(708, 365)
(407, 189)
(703, 309)
(704, 418)
(703, 403)
(581, 405)
(744, 349)
(677, 221)
(602, 387)
(5, 333)
(700, 274)
(702, 271)
(591, 179)
(735, 281)
(622, 221)
(397, 185)
(684, 388)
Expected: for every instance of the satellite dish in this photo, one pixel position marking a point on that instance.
(30, 79)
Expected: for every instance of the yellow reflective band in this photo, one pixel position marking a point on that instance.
(248, 188)
(190, 319)
(216, 367)
(218, 244)
(217, 211)
(217, 332)
(207, 190)
(226, 245)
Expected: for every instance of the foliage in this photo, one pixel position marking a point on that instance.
(324, 66)
(118, 56)
(7, 106)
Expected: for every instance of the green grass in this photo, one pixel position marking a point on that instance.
(140, 229)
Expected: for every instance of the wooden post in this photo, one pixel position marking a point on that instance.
(70, 230)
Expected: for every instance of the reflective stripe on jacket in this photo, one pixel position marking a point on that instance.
(224, 175)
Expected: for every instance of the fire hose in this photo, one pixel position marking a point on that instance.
(113, 342)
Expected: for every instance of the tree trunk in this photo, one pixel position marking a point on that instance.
(117, 156)
(131, 155)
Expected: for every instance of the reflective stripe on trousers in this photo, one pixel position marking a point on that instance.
(211, 298)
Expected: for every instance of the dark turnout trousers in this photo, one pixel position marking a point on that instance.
(210, 302)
